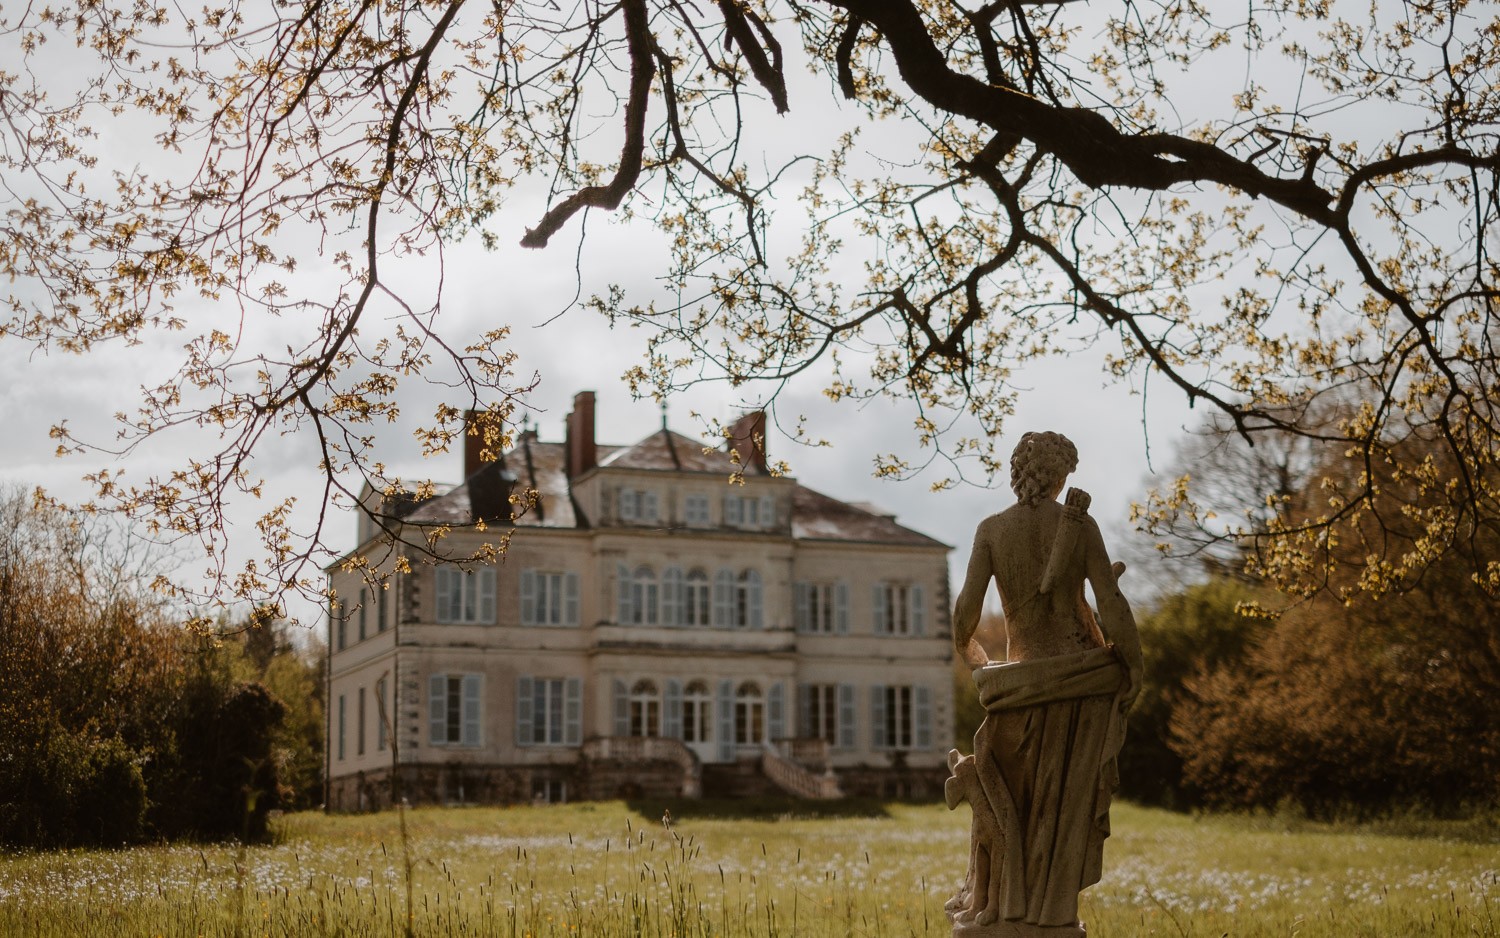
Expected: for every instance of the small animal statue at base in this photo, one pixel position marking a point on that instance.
(1043, 771)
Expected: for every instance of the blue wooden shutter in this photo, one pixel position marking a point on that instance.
(671, 596)
(672, 725)
(573, 711)
(471, 700)
(622, 595)
(437, 709)
(802, 606)
(724, 599)
(767, 511)
(924, 717)
(756, 599)
(627, 505)
(650, 506)
(846, 716)
(622, 710)
(487, 596)
(918, 610)
(877, 717)
(841, 608)
(528, 597)
(525, 729)
(882, 620)
(776, 712)
(805, 727)
(570, 599)
(725, 714)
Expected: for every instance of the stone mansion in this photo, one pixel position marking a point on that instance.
(652, 630)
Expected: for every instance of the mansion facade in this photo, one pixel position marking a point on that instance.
(651, 629)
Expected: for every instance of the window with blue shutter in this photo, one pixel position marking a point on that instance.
(473, 683)
(671, 597)
(924, 717)
(672, 721)
(623, 611)
(573, 717)
(724, 599)
(918, 610)
(528, 597)
(570, 599)
(628, 509)
(622, 710)
(437, 709)
(882, 620)
(525, 730)
(767, 512)
(846, 716)
(776, 712)
(724, 724)
(841, 608)
(877, 717)
(802, 606)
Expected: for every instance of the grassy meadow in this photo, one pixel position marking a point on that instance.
(613, 869)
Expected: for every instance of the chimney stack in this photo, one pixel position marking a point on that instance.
(583, 452)
(475, 443)
(747, 437)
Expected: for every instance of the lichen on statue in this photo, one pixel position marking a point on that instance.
(1043, 770)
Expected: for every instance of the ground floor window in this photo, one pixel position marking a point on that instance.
(697, 713)
(645, 709)
(453, 709)
(749, 715)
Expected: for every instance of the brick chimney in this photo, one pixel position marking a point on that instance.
(475, 445)
(583, 452)
(747, 436)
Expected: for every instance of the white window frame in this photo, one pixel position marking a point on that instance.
(820, 713)
(697, 713)
(749, 600)
(549, 598)
(697, 599)
(645, 709)
(464, 597)
(900, 717)
(749, 715)
(695, 510)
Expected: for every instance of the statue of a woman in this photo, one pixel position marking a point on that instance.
(1043, 768)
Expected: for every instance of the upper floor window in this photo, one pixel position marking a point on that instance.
(750, 511)
(549, 598)
(638, 599)
(638, 505)
(822, 607)
(695, 509)
(696, 609)
(749, 601)
(900, 609)
(453, 709)
(465, 598)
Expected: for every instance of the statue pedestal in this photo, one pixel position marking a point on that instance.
(1003, 929)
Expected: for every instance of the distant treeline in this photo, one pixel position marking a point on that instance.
(117, 724)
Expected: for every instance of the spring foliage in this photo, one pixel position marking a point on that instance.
(1251, 210)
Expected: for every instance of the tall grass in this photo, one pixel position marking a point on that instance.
(609, 870)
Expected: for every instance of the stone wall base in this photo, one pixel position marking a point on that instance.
(601, 780)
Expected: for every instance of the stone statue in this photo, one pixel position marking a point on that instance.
(1043, 770)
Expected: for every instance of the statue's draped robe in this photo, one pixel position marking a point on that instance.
(1046, 760)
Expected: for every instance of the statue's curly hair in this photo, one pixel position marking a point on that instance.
(1039, 464)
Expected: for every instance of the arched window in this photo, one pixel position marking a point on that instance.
(697, 713)
(643, 597)
(645, 709)
(749, 715)
(749, 601)
(696, 608)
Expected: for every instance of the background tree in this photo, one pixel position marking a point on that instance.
(1046, 177)
(116, 723)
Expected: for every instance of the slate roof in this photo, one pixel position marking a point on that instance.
(541, 466)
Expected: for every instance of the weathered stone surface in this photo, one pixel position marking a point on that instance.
(1043, 770)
